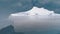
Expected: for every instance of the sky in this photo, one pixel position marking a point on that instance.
(8, 7)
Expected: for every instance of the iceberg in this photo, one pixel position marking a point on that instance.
(35, 20)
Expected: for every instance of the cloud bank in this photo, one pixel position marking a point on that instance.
(36, 19)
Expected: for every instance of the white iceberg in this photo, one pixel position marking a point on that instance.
(36, 19)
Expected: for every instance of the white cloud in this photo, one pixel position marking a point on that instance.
(36, 19)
